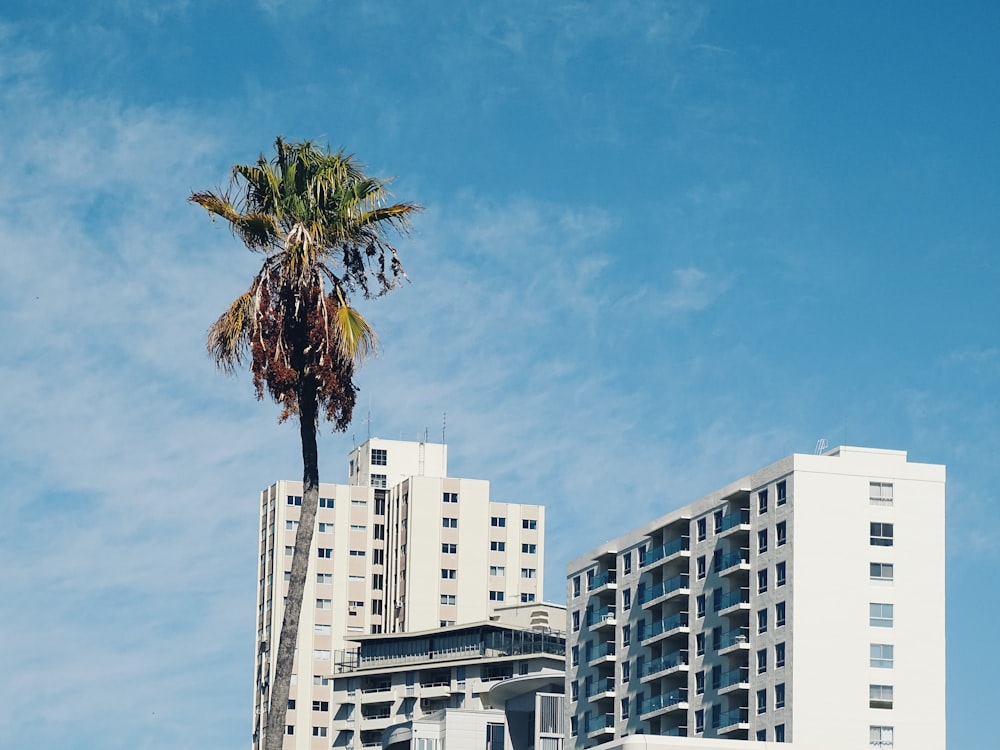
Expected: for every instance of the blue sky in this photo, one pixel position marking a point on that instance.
(665, 243)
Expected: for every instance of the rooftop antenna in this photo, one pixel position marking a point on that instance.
(444, 424)
(821, 446)
(425, 435)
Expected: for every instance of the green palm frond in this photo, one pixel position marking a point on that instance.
(357, 338)
(229, 337)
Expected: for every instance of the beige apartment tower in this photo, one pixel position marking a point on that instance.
(401, 547)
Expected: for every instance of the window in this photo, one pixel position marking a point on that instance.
(699, 683)
(449, 549)
(575, 655)
(498, 570)
(881, 534)
(881, 571)
(573, 722)
(291, 703)
(716, 715)
(779, 615)
(626, 563)
(525, 598)
(529, 523)
(494, 737)
(496, 596)
(779, 655)
(781, 532)
(321, 705)
(448, 599)
(626, 599)
(779, 732)
(880, 615)
(762, 541)
(380, 457)
(527, 572)
(378, 531)
(576, 585)
(701, 567)
(378, 556)
(359, 503)
(449, 497)
(699, 720)
(326, 502)
(574, 690)
(626, 634)
(700, 604)
(379, 504)
(762, 661)
(289, 550)
(291, 525)
(378, 581)
(626, 671)
(528, 549)
(625, 707)
(779, 695)
(699, 644)
(321, 654)
(880, 493)
(761, 701)
(449, 523)
(780, 574)
(761, 620)
(701, 529)
(761, 581)
(319, 679)
(357, 553)
(880, 696)
(359, 527)
(717, 519)
(498, 546)
(323, 603)
(378, 481)
(881, 656)
(324, 578)
(498, 521)
(449, 573)
(376, 607)
(289, 729)
(880, 736)
(762, 501)
(295, 500)
(325, 528)
(325, 552)
(761, 735)
(576, 621)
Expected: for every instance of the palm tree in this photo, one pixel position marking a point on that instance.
(321, 225)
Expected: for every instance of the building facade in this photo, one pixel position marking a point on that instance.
(401, 547)
(803, 603)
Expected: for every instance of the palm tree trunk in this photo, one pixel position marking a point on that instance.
(276, 714)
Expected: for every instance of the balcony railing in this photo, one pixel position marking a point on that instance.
(659, 702)
(734, 637)
(734, 717)
(607, 685)
(731, 599)
(603, 649)
(599, 722)
(680, 620)
(669, 586)
(732, 677)
(676, 659)
(731, 560)
(604, 615)
(602, 579)
(733, 520)
(666, 550)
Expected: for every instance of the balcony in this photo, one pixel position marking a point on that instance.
(676, 586)
(734, 721)
(600, 724)
(732, 601)
(739, 521)
(665, 665)
(603, 688)
(735, 679)
(734, 640)
(608, 580)
(669, 551)
(675, 700)
(675, 625)
(733, 562)
(601, 618)
(603, 652)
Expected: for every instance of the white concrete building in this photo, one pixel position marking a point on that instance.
(801, 604)
(401, 547)
(403, 682)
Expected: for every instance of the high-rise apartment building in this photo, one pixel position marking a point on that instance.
(402, 547)
(803, 603)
